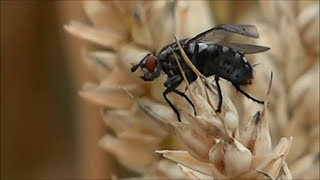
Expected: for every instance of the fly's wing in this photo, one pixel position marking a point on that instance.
(245, 48)
(219, 32)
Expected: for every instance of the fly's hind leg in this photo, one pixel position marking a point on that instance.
(187, 98)
(247, 95)
(216, 78)
(171, 84)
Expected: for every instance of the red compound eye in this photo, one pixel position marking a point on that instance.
(151, 63)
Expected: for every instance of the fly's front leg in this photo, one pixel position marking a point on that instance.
(216, 78)
(187, 98)
(171, 84)
(170, 104)
(247, 95)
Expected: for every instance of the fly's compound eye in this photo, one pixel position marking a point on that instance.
(151, 63)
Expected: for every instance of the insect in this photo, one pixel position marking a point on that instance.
(209, 56)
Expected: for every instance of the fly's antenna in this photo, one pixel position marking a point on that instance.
(134, 67)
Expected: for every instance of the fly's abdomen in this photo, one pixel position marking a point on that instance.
(227, 62)
(206, 60)
(233, 66)
(224, 62)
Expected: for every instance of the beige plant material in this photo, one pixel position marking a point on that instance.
(291, 29)
(128, 30)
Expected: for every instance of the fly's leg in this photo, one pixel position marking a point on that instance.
(247, 95)
(170, 104)
(216, 78)
(195, 54)
(177, 80)
(187, 98)
(171, 84)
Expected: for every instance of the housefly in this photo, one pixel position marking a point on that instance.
(209, 56)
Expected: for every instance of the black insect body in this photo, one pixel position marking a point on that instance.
(209, 56)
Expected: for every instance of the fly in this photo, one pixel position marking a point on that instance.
(209, 56)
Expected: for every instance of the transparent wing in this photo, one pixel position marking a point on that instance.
(219, 32)
(245, 48)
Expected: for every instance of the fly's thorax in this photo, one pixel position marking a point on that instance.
(202, 46)
(163, 53)
(168, 50)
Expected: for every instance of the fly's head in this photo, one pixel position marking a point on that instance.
(150, 66)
